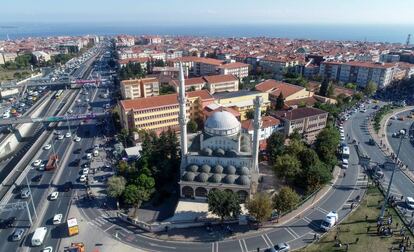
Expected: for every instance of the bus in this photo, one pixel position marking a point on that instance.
(39, 236)
(58, 94)
(73, 228)
(345, 152)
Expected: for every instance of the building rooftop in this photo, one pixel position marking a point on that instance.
(298, 113)
(220, 78)
(227, 95)
(234, 65)
(267, 121)
(276, 87)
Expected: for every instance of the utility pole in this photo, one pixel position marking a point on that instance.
(407, 43)
(31, 197)
(387, 195)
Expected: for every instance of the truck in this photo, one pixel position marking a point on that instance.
(330, 220)
(73, 228)
(39, 236)
(76, 247)
(52, 162)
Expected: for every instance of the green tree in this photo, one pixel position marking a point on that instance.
(191, 89)
(123, 137)
(331, 91)
(275, 146)
(316, 176)
(370, 88)
(294, 147)
(116, 187)
(260, 206)
(224, 204)
(308, 157)
(124, 168)
(250, 114)
(323, 89)
(326, 144)
(285, 200)
(287, 166)
(351, 85)
(280, 101)
(358, 96)
(295, 135)
(192, 126)
(135, 195)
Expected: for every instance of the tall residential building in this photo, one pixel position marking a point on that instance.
(206, 66)
(213, 83)
(138, 88)
(240, 70)
(357, 72)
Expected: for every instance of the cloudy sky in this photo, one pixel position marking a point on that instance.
(187, 12)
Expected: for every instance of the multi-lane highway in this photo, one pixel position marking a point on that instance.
(68, 151)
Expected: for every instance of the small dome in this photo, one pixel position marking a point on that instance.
(207, 152)
(205, 168)
(218, 169)
(230, 170)
(216, 178)
(243, 180)
(243, 171)
(222, 120)
(189, 176)
(202, 177)
(219, 152)
(244, 148)
(229, 179)
(192, 168)
(231, 153)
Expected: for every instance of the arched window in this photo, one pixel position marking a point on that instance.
(201, 192)
(187, 192)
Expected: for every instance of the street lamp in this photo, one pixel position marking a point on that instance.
(31, 196)
(387, 195)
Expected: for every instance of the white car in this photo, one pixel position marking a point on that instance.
(282, 247)
(57, 219)
(88, 155)
(82, 178)
(70, 111)
(47, 249)
(47, 146)
(41, 166)
(37, 163)
(68, 134)
(60, 137)
(85, 171)
(345, 163)
(54, 195)
(77, 139)
(410, 202)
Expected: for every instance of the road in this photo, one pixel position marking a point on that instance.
(53, 180)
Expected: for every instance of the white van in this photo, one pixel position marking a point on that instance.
(95, 153)
(39, 236)
(330, 220)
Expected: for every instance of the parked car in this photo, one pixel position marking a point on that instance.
(82, 178)
(47, 146)
(282, 247)
(37, 178)
(410, 202)
(18, 234)
(37, 162)
(53, 195)
(57, 219)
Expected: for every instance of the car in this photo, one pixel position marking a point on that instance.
(53, 195)
(82, 178)
(47, 249)
(41, 167)
(70, 111)
(37, 178)
(88, 155)
(25, 193)
(37, 162)
(410, 202)
(18, 234)
(47, 147)
(68, 134)
(57, 219)
(85, 171)
(8, 223)
(371, 142)
(77, 139)
(282, 247)
(393, 117)
(60, 137)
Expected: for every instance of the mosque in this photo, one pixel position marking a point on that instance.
(219, 158)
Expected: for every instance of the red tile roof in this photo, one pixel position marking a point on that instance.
(234, 65)
(267, 121)
(362, 64)
(220, 78)
(298, 113)
(276, 87)
(133, 60)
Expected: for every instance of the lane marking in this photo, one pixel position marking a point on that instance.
(161, 246)
(292, 232)
(113, 225)
(241, 246)
(267, 243)
(245, 246)
(320, 209)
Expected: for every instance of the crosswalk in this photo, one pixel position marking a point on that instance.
(99, 221)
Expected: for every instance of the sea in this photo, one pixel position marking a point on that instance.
(371, 33)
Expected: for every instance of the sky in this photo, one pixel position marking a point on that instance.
(219, 12)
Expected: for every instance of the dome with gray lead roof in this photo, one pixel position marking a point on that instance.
(207, 152)
(243, 171)
(219, 152)
(202, 177)
(215, 178)
(218, 169)
(189, 176)
(243, 180)
(205, 168)
(229, 179)
(230, 170)
(222, 123)
(192, 168)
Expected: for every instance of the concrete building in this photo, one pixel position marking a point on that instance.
(306, 121)
(240, 70)
(41, 56)
(7, 57)
(191, 84)
(221, 83)
(357, 72)
(278, 66)
(138, 88)
(269, 125)
(206, 66)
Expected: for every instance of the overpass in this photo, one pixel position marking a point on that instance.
(28, 119)
(63, 83)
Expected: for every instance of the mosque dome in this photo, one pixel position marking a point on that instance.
(222, 123)
(189, 176)
(202, 177)
(229, 179)
(243, 171)
(215, 178)
(230, 170)
(192, 168)
(218, 169)
(207, 152)
(243, 180)
(205, 168)
(219, 152)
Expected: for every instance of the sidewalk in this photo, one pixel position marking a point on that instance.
(381, 137)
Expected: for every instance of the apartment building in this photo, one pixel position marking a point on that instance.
(138, 88)
(158, 113)
(307, 121)
(142, 61)
(268, 126)
(357, 72)
(206, 66)
(221, 83)
(240, 70)
(191, 84)
(277, 66)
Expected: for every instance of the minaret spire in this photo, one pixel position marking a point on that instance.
(182, 100)
(258, 101)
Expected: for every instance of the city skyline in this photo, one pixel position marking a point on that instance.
(179, 12)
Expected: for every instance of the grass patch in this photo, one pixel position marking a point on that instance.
(355, 226)
(7, 75)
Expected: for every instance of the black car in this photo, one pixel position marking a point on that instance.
(37, 178)
(8, 223)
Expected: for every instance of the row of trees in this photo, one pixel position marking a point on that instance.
(131, 70)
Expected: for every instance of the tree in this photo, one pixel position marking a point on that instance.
(116, 187)
(135, 195)
(295, 147)
(286, 200)
(124, 168)
(275, 146)
(316, 176)
(326, 143)
(280, 101)
(260, 206)
(351, 85)
(123, 137)
(331, 91)
(287, 166)
(192, 88)
(192, 126)
(323, 89)
(370, 88)
(224, 204)
(250, 114)
(308, 157)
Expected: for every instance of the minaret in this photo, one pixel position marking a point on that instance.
(258, 101)
(182, 100)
